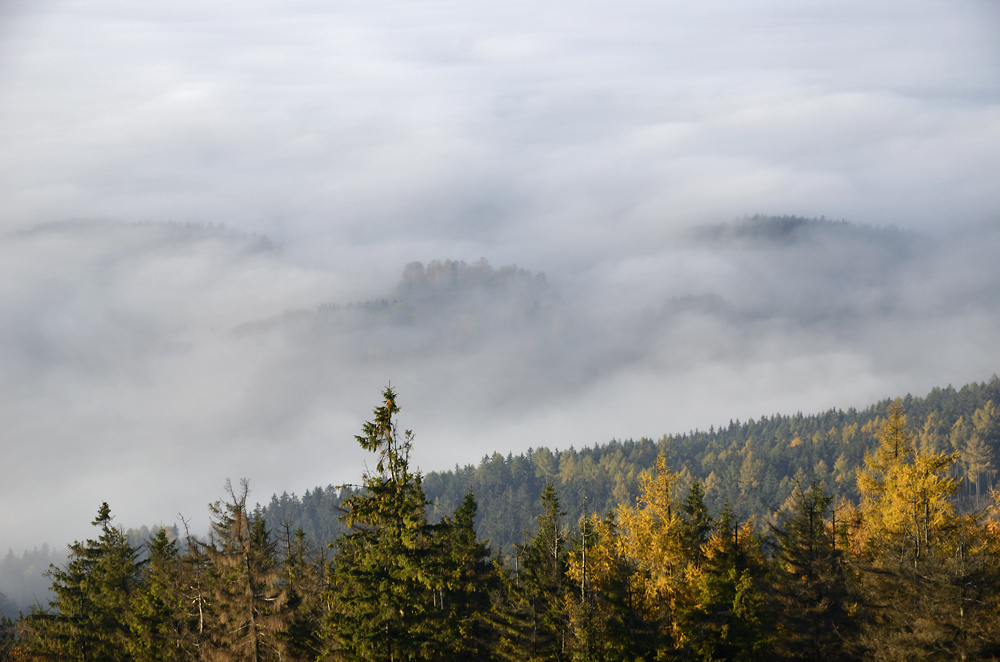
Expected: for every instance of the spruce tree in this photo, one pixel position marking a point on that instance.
(380, 588)
(245, 592)
(697, 522)
(157, 619)
(465, 582)
(538, 624)
(728, 619)
(305, 572)
(89, 617)
(811, 586)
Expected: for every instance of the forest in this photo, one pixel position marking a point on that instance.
(869, 535)
(754, 465)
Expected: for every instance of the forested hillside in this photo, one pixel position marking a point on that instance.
(755, 465)
(899, 564)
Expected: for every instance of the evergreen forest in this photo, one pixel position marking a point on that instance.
(867, 535)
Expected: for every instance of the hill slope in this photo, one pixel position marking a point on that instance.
(752, 464)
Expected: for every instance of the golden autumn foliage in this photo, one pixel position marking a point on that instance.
(905, 510)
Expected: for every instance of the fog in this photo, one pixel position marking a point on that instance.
(213, 213)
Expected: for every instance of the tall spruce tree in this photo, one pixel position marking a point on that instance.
(89, 617)
(537, 623)
(463, 588)
(697, 522)
(157, 618)
(380, 589)
(246, 595)
(727, 619)
(305, 573)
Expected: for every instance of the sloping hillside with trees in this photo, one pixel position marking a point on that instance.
(755, 465)
(903, 565)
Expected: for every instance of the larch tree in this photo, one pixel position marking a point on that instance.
(653, 540)
(912, 553)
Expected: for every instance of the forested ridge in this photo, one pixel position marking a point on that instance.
(754, 464)
(890, 552)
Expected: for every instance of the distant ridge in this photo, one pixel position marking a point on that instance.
(793, 229)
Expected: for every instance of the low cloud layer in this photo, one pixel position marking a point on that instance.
(198, 200)
(156, 360)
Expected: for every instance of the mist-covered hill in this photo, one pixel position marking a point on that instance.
(199, 351)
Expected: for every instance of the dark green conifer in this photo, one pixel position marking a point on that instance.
(381, 590)
(728, 620)
(465, 584)
(697, 522)
(305, 573)
(158, 620)
(538, 623)
(89, 617)
(811, 585)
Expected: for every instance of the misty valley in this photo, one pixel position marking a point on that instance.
(868, 533)
(499, 331)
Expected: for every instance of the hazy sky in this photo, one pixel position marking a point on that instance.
(143, 361)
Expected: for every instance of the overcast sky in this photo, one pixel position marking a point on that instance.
(143, 361)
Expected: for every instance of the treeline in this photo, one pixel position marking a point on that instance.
(899, 574)
(754, 465)
(21, 577)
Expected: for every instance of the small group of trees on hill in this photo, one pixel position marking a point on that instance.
(900, 573)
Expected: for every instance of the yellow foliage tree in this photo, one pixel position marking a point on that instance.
(905, 510)
(928, 576)
(652, 541)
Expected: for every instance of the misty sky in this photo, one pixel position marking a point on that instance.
(191, 194)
